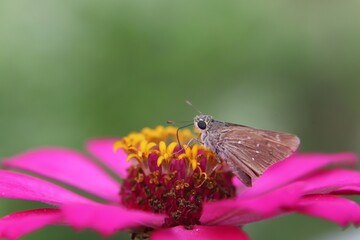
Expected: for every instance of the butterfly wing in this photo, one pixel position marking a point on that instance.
(250, 151)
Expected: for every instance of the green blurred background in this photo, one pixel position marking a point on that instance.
(73, 70)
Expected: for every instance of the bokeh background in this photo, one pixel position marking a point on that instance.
(73, 70)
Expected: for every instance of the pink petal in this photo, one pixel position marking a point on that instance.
(348, 190)
(20, 186)
(18, 224)
(108, 219)
(339, 210)
(242, 211)
(69, 167)
(295, 167)
(200, 233)
(103, 149)
(328, 181)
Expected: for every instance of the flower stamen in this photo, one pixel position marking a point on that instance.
(171, 179)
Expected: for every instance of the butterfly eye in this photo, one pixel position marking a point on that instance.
(201, 125)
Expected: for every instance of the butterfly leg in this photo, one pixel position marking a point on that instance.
(196, 140)
(188, 144)
(214, 168)
(218, 159)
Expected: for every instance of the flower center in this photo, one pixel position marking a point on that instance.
(170, 179)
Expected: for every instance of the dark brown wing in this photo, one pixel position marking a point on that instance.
(250, 151)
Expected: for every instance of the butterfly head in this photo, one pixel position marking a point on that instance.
(203, 122)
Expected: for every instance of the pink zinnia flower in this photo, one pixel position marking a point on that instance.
(168, 192)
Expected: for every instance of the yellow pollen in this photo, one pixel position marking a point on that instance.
(169, 177)
(154, 177)
(166, 152)
(141, 154)
(191, 154)
(162, 141)
(181, 184)
(139, 178)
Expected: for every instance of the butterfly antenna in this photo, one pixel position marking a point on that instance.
(191, 105)
(171, 122)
